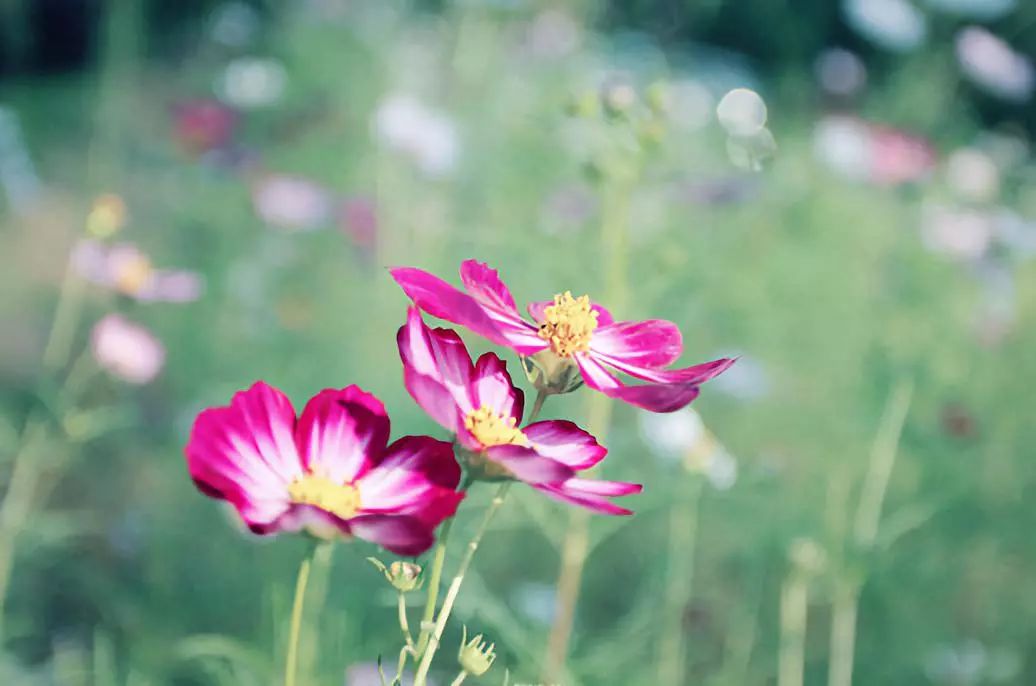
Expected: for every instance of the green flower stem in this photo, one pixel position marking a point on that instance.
(460, 678)
(435, 581)
(683, 530)
(458, 579)
(301, 582)
(404, 624)
(793, 613)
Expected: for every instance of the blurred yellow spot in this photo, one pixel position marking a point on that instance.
(132, 273)
(568, 324)
(107, 216)
(341, 500)
(490, 429)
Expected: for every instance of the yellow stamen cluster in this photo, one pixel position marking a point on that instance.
(132, 274)
(568, 324)
(341, 500)
(490, 429)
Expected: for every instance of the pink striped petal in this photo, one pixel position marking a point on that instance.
(439, 355)
(484, 284)
(592, 494)
(565, 442)
(245, 454)
(342, 433)
(651, 343)
(527, 465)
(402, 535)
(655, 397)
(698, 374)
(536, 308)
(432, 397)
(310, 519)
(491, 387)
(417, 477)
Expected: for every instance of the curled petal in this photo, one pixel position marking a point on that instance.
(312, 520)
(484, 284)
(418, 477)
(342, 433)
(528, 465)
(698, 374)
(565, 442)
(246, 454)
(655, 397)
(403, 535)
(492, 387)
(651, 343)
(592, 494)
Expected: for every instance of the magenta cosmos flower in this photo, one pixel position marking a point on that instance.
(568, 338)
(328, 473)
(481, 406)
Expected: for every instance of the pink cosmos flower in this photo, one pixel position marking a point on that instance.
(327, 472)
(126, 350)
(570, 337)
(481, 406)
(125, 268)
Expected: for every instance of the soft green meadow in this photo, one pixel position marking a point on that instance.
(854, 507)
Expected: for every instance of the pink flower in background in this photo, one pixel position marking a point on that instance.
(962, 234)
(359, 221)
(291, 202)
(203, 125)
(862, 151)
(405, 124)
(570, 335)
(481, 406)
(327, 472)
(125, 268)
(126, 350)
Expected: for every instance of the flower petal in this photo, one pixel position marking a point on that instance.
(565, 442)
(492, 387)
(401, 534)
(651, 343)
(484, 284)
(656, 397)
(342, 433)
(417, 477)
(528, 465)
(245, 454)
(441, 356)
(592, 494)
(698, 374)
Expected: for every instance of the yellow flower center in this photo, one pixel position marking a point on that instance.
(490, 429)
(132, 274)
(341, 500)
(568, 324)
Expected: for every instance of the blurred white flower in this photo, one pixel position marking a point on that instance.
(682, 435)
(1015, 233)
(126, 350)
(970, 662)
(234, 24)
(252, 82)
(429, 137)
(18, 176)
(973, 175)
(291, 202)
(891, 24)
(553, 33)
(975, 9)
(843, 144)
(126, 269)
(840, 72)
(992, 65)
(862, 151)
(749, 152)
(742, 113)
(961, 234)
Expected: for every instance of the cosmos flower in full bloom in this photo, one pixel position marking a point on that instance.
(570, 337)
(327, 472)
(480, 405)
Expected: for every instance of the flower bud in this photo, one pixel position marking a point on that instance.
(807, 556)
(552, 374)
(107, 216)
(404, 576)
(584, 106)
(475, 656)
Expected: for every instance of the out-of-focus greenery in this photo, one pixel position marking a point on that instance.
(125, 574)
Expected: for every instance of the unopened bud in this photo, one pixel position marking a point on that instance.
(552, 374)
(475, 657)
(807, 556)
(107, 216)
(404, 576)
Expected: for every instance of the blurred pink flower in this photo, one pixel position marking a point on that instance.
(569, 337)
(992, 65)
(429, 137)
(126, 350)
(359, 221)
(203, 125)
(327, 472)
(124, 268)
(291, 202)
(863, 151)
(961, 234)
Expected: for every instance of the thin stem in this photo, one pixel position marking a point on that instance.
(291, 662)
(460, 678)
(404, 625)
(843, 634)
(683, 529)
(793, 613)
(537, 407)
(451, 595)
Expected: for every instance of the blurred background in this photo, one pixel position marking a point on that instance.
(196, 195)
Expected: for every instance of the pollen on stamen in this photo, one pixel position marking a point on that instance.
(568, 324)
